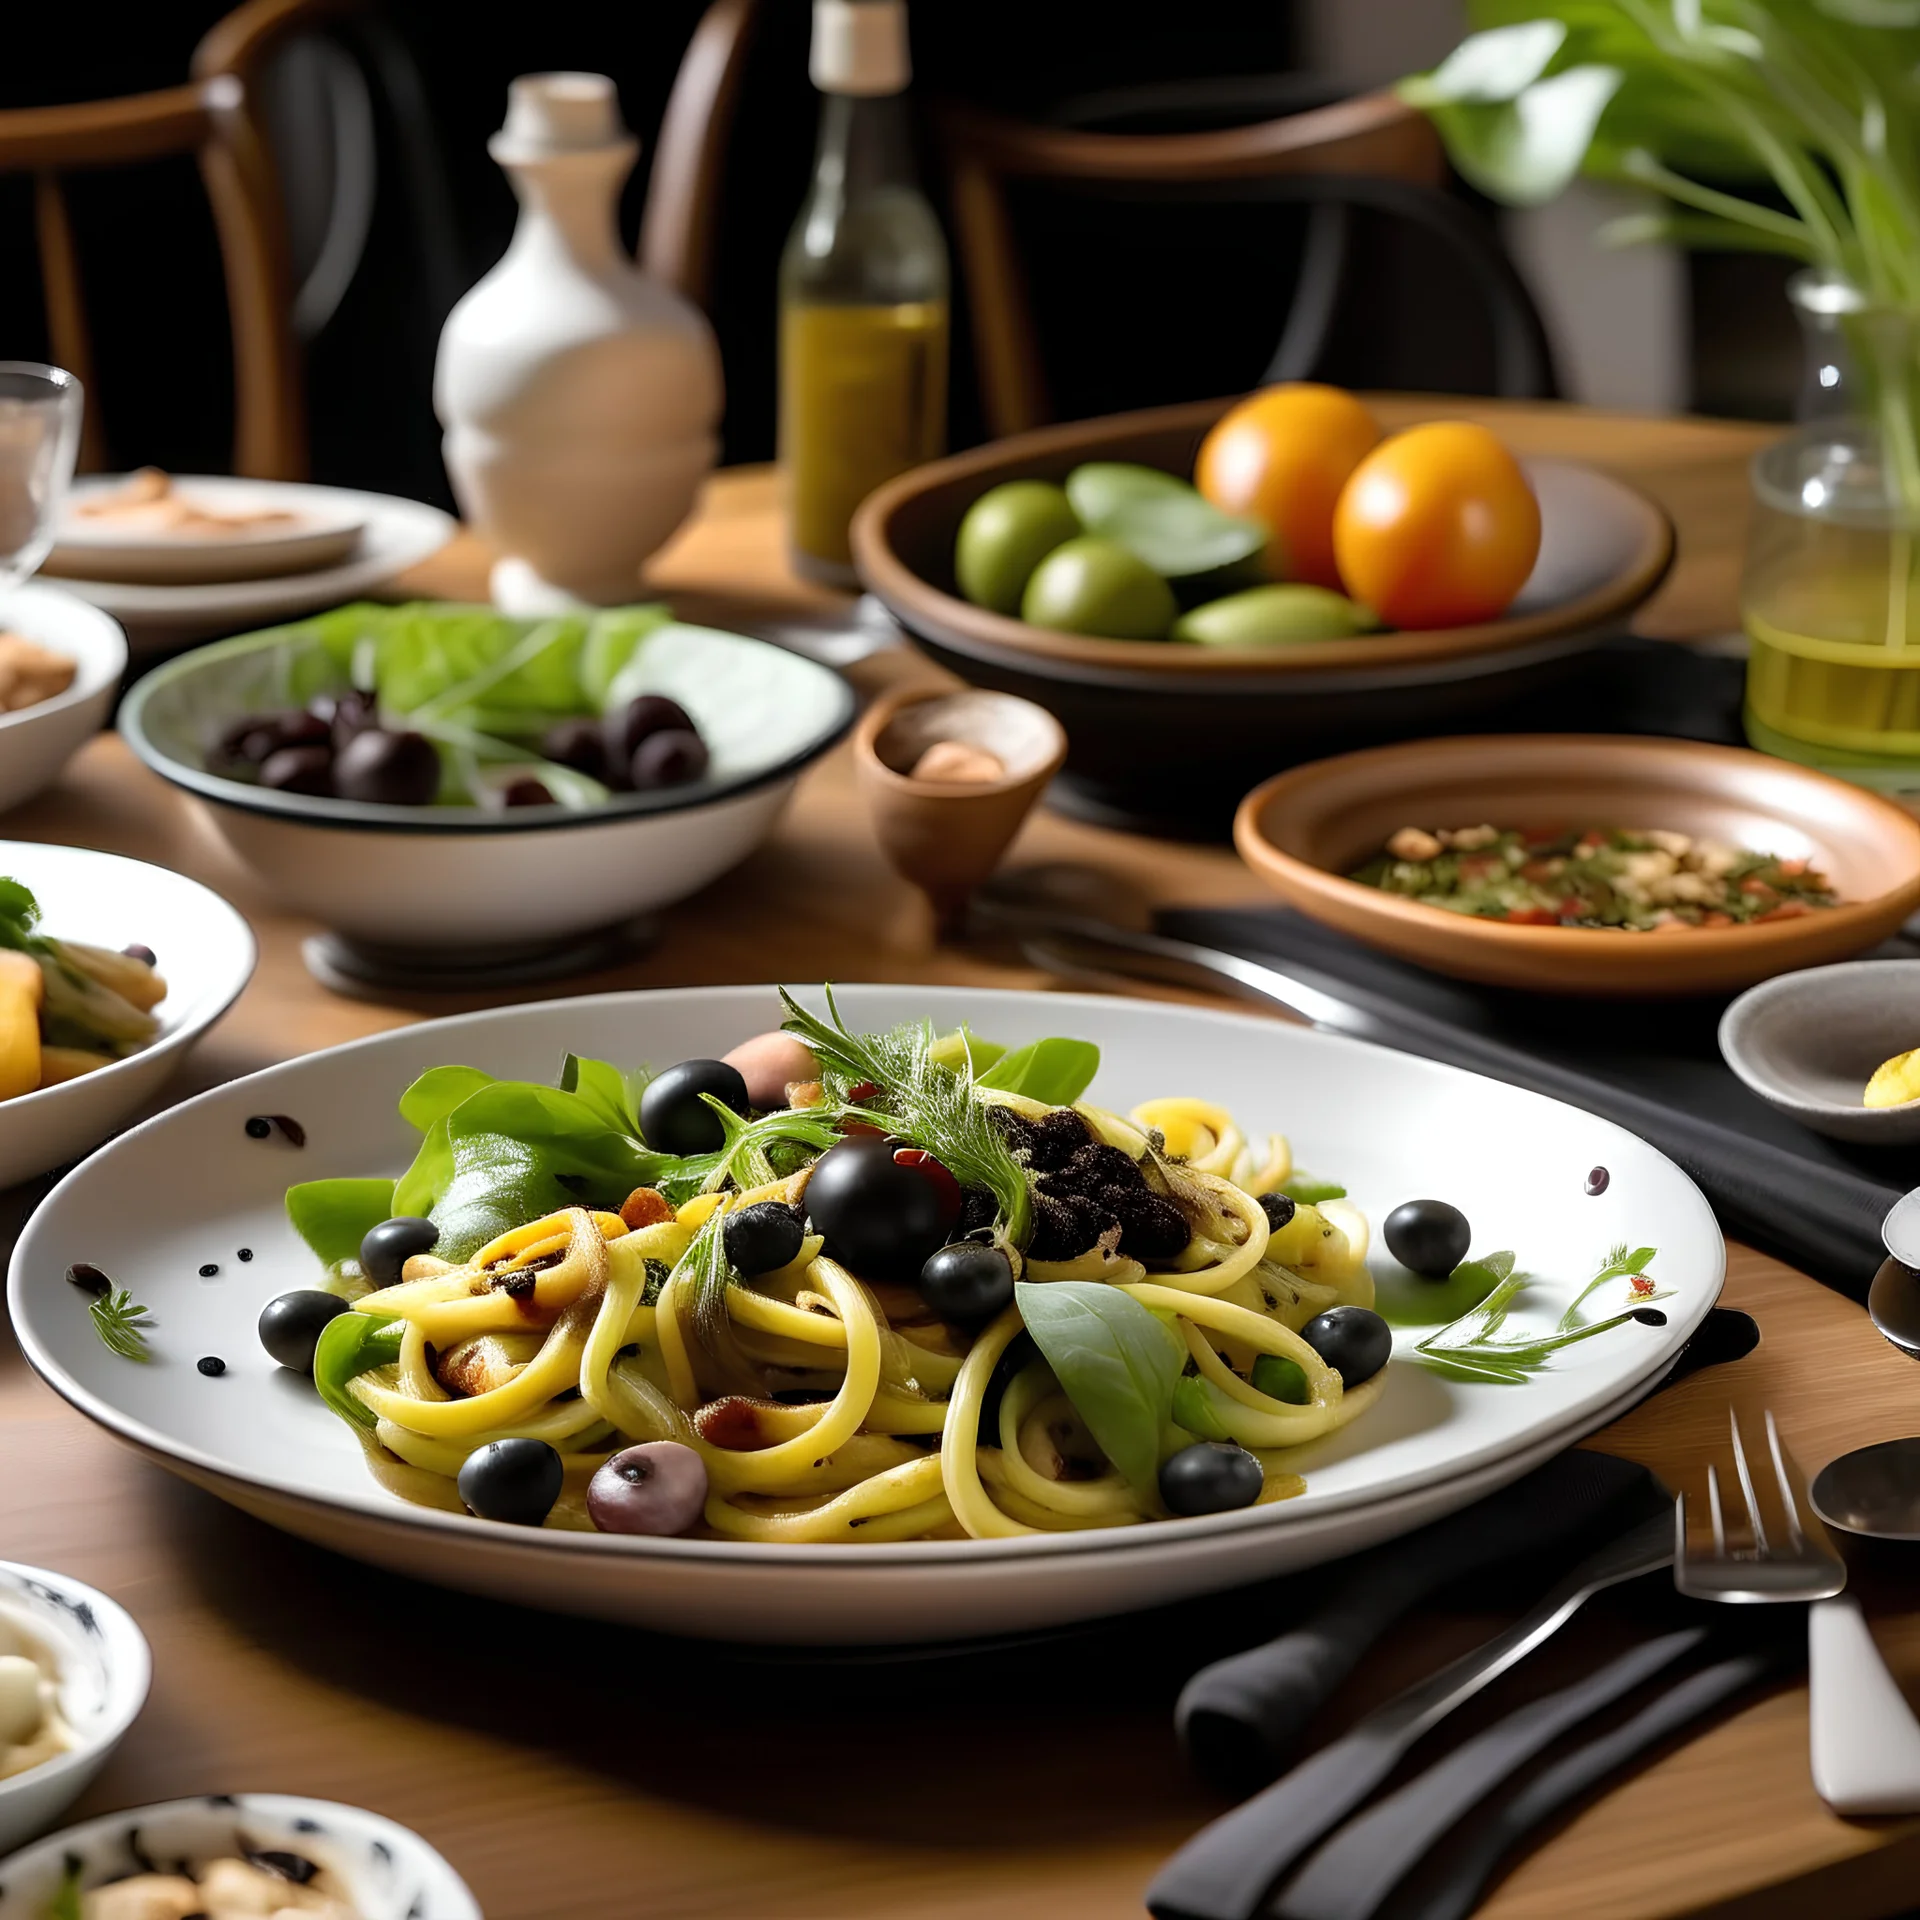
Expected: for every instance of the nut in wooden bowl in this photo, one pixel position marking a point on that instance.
(949, 777)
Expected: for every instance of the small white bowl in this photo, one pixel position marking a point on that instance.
(38, 741)
(1808, 1042)
(206, 954)
(104, 1670)
(456, 879)
(387, 1869)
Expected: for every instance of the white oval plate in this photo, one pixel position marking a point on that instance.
(37, 741)
(190, 1188)
(206, 953)
(395, 534)
(325, 529)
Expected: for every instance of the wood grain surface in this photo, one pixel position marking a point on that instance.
(573, 1769)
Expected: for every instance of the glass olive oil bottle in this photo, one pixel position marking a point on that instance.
(863, 293)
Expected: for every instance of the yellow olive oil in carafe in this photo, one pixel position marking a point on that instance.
(863, 293)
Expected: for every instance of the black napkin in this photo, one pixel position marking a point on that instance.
(1819, 1202)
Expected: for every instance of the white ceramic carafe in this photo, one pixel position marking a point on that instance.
(579, 395)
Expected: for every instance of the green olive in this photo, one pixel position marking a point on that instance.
(1273, 616)
(1093, 586)
(1008, 531)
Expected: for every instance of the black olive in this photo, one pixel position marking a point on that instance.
(623, 729)
(1353, 1340)
(668, 759)
(259, 1127)
(526, 792)
(967, 1282)
(762, 1238)
(291, 1326)
(880, 1218)
(388, 769)
(212, 1366)
(345, 713)
(673, 1116)
(577, 743)
(1279, 1209)
(1211, 1476)
(298, 770)
(512, 1480)
(256, 736)
(145, 955)
(1428, 1236)
(386, 1249)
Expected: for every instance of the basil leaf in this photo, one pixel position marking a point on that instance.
(1309, 1190)
(437, 1092)
(604, 1088)
(351, 1344)
(333, 1217)
(1054, 1072)
(1115, 1361)
(1193, 1408)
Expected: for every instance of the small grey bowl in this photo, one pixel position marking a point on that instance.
(1808, 1042)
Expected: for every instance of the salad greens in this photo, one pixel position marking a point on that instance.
(1117, 1361)
(351, 1344)
(122, 1324)
(334, 1216)
(1054, 1072)
(1471, 1348)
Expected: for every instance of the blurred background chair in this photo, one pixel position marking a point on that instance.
(1234, 143)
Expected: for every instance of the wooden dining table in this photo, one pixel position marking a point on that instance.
(573, 1769)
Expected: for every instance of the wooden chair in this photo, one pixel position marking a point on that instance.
(212, 118)
(1371, 150)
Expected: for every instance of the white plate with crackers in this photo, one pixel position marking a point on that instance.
(60, 667)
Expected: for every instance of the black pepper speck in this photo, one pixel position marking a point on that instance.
(259, 1127)
(209, 1270)
(245, 1253)
(212, 1366)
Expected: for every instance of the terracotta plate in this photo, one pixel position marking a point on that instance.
(1304, 830)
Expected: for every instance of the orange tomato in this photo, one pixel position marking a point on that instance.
(1437, 527)
(1281, 456)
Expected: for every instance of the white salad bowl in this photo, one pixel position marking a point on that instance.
(387, 1869)
(104, 1669)
(190, 1186)
(37, 741)
(206, 954)
(447, 879)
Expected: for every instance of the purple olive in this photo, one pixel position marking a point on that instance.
(298, 770)
(668, 759)
(579, 744)
(658, 1487)
(144, 954)
(526, 792)
(625, 728)
(390, 769)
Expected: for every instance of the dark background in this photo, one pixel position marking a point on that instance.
(1135, 305)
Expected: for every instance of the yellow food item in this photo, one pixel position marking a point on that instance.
(22, 988)
(1894, 1081)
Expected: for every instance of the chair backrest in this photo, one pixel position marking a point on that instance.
(678, 222)
(212, 119)
(1372, 149)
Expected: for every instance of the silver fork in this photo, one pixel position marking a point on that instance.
(1864, 1742)
(1805, 1567)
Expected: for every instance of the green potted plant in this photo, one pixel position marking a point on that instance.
(1708, 104)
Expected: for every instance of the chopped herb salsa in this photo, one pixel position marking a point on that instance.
(1644, 880)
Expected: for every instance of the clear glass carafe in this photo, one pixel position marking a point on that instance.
(1831, 597)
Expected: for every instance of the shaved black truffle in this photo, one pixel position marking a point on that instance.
(1150, 1228)
(978, 1211)
(1015, 1128)
(1057, 1137)
(1064, 1226)
(1095, 1167)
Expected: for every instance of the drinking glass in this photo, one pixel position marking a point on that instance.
(39, 437)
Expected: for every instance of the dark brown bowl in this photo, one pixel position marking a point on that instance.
(1228, 716)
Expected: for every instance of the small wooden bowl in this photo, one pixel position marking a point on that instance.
(947, 836)
(1305, 830)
